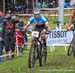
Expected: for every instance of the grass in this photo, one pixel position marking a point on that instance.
(57, 60)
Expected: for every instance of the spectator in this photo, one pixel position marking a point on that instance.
(54, 4)
(71, 3)
(44, 5)
(9, 31)
(50, 4)
(1, 33)
(39, 5)
(19, 41)
(65, 4)
(68, 4)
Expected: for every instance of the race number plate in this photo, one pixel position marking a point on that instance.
(35, 34)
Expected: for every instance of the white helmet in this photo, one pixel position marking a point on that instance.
(36, 11)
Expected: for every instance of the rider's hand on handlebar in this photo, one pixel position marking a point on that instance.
(70, 27)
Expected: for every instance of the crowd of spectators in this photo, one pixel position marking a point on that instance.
(28, 4)
(54, 4)
(49, 4)
(68, 3)
(43, 4)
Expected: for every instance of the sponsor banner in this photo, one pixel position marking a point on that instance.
(59, 37)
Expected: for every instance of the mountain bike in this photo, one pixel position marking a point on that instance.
(37, 49)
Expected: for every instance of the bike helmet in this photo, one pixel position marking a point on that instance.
(36, 11)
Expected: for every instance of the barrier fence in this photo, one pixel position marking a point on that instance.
(51, 48)
(53, 40)
(49, 12)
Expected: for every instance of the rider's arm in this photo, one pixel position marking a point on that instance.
(69, 23)
(70, 20)
(44, 19)
(29, 22)
(26, 26)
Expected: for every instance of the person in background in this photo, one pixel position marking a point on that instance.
(50, 4)
(71, 3)
(39, 5)
(44, 5)
(19, 41)
(1, 33)
(65, 4)
(21, 36)
(9, 32)
(54, 4)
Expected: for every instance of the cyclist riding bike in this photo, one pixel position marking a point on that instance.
(38, 49)
(71, 26)
(39, 20)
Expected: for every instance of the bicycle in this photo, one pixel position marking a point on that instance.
(37, 50)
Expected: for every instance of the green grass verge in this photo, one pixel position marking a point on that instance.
(57, 62)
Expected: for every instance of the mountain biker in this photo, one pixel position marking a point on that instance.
(71, 26)
(9, 31)
(39, 21)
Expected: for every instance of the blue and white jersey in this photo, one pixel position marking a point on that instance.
(42, 20)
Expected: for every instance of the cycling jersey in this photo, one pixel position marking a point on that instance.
(39, 21)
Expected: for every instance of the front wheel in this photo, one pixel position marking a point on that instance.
(32, 56)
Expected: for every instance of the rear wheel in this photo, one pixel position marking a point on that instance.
(43, 55)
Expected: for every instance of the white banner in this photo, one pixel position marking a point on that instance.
(59, 37)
